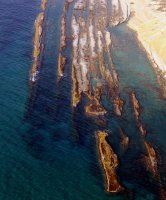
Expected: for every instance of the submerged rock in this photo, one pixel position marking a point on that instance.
(141, 128)
(124, 139)
(135, 105)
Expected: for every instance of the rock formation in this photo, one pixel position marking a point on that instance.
(118, 106)
(63, 32)
(120, 11)
(135, 105)
(38, 46)
(95, 108)
(151, 159)
(61, 64)
(137, 110)
(109, 162)
(124, 139)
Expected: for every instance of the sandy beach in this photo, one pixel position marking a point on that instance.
(148, 19)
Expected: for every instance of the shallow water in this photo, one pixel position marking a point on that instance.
(48, 151)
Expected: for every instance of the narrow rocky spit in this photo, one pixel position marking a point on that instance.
(38, 45)
(137, 111)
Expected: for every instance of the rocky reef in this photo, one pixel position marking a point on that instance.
(38, 46)
(80, 59)
(61, 64)
(80, 5)
(137, 110)
(95, 108)
(109, 162)
(63, 32)
(118, 106)
(135, 105)
(91, 43)
(151, 159)
(124, 139)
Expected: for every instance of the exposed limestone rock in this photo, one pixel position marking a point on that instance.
(118, 106)
(80, 5)
(80, 59)
(120, 11)
(61, 64)
(95, 108)
(135, 105)
(63, 33)
(43, 5)
(151, 159)
(38, 47)
(109, 162)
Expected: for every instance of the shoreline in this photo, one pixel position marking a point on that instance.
(151, 42)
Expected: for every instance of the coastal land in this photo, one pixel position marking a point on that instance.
(148, 19)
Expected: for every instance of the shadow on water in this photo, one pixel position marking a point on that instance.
(43, 108)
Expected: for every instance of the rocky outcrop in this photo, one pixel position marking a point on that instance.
(137, 111)
(120, 11)
(109, 162)
(63, 32)
(135, 105)
(61, 64)
(118, 106)
(151, 159)
(43, 5)
(124, 139)
(80, 5)
(38, 46)
(95, 108)
(80, 59)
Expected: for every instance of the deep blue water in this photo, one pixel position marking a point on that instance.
(47, 150)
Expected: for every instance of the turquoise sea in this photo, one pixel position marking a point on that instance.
(47, 150)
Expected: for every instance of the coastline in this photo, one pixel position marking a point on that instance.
(147, 21)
